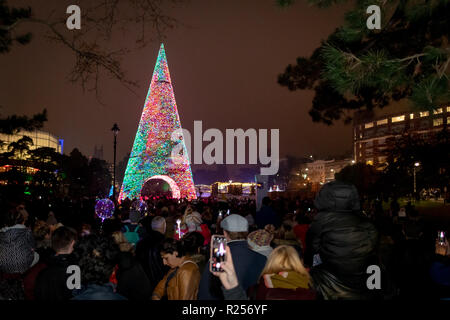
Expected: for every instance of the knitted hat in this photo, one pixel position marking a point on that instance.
(259, 238)
(193, 220)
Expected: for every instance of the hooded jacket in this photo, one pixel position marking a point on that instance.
(343, 237)
(16, 249)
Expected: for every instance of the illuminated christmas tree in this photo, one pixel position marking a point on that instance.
(151, 156)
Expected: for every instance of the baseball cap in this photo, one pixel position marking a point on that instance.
(235, 223)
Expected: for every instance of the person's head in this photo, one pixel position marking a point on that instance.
(194, 242)
(173, 251)
(259, 238)
(23, 211)
(337, 196)
(63, 240)
(11, 217)
(193, 221)
(159, 224)
(122, 242)
(134, 216)
(235, 227)
(284, 258)
(41, 232)
(97, 256)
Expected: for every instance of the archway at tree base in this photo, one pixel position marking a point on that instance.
(174, 189)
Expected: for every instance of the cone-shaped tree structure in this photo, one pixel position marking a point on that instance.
(158, 135)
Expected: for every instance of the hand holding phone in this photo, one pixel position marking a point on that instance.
(442, 246)
(441, 237)
(228, 277)
(218, 253)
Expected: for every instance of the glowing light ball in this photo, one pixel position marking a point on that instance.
(139, 206)
(104, 209)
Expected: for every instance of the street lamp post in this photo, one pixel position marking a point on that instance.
(116, 130)
(415, 166)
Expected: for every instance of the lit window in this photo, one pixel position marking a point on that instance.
(411, 116)
(424, 114)
(438, 122)
(437, 111)
(398, 119)
(368, 125)
(369, 162)
(381, 122)
(448, 109)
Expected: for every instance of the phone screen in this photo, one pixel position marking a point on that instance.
(441, 237)
(218, 256)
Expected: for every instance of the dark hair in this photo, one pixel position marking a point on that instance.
(188, 245)
(194, 240)
(11, 217)
(97, 256)
(40, 230)
(237, 235)
(62, 237)
(266, 201)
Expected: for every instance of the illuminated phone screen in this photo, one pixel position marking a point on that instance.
(218, 246)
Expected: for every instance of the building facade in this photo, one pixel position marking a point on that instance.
(313, 175)
(372, 139)
(40, 139)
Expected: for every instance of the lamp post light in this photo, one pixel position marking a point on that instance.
(115, 129)
(417, 164)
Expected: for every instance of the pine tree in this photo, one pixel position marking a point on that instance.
(361, 69)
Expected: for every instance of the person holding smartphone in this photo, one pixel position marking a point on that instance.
(247, 263)
(231, 288)
(440, 267)
(181, 282)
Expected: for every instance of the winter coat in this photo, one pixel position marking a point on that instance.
(16, 249)
(149, 256)
(51, 283)
(284, 286)
(182, 282)
(97, 292)
(132, 282)
(343, 237)
(236, 293)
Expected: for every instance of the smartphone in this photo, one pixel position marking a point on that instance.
(441, 237)
(218, 255)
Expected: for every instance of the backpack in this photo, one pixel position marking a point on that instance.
(132, 236)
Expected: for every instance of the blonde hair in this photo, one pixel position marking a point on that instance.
(122, 242)
(284, 258)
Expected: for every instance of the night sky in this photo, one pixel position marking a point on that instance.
(224, 59)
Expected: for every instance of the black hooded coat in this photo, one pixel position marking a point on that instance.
(345, 240)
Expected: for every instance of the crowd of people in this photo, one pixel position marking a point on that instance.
(288, 249)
